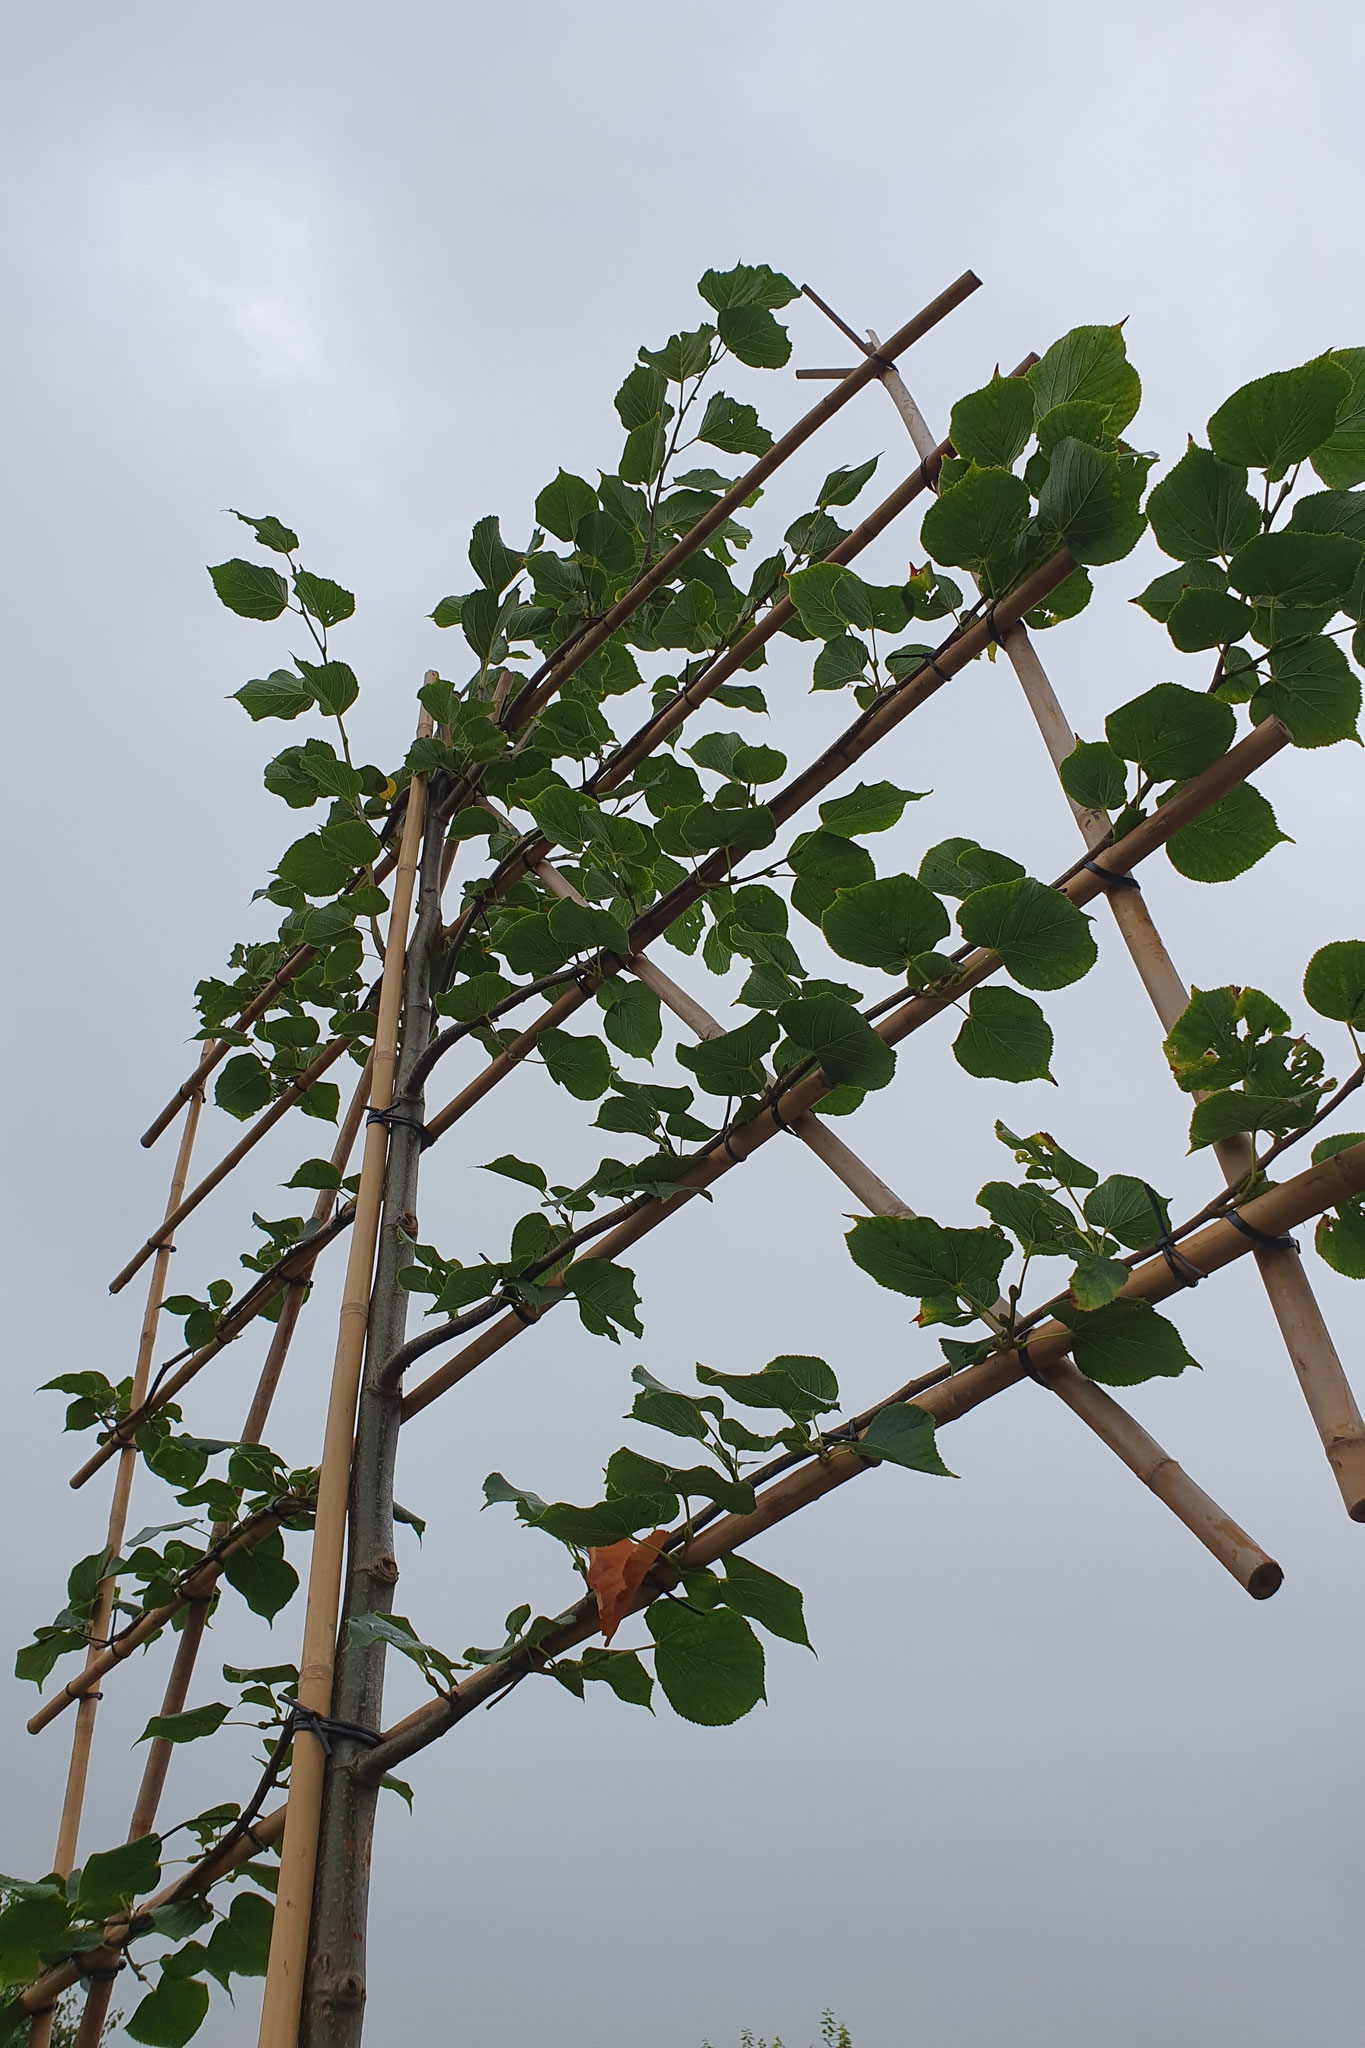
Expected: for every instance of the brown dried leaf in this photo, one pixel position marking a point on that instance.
(616, 1573)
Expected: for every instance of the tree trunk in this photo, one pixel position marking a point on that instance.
(334, 1995)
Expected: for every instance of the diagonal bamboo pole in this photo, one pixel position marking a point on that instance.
(64, 1857)
(946, 1399)
(1081, 887)
(1314, 1356)
(289, 1937)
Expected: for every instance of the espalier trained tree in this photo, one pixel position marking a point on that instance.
(595, 777)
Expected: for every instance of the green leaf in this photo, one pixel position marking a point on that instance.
(512, 1168)
(1340, 459)
(1235, 1110)
(766, 1599)
(1090, 502)
(800, 1387)
(1334, 984)
(170, 2015)
(842, 486)
(606, 1296)
(1069, 598)
(1096, 1280)
(493, 562)
(583, 928)
(840, 661)
(732, 427)
(752, 334)
(240, 1945)
(976, 519)
(315, 1173)
(1230, 837)
(904, 1435)
(281, 694)
(748, 284)
(1094, 775)
(1313, 690)
(1043, 1227)
(1296, 568)
(991, 427)
(263, 1575)
(682, 357)
(709, 1663)
(563, 503)
(243, 1087)
(1089, 363)
(333, 683)
(1202, 508)
(1171, 732)
(885, 923)
(113, 1878)
(622, 1671)
(958, 867)
(582, 1065)
(188, 1727)
(733, 1063)
(871, 807)
(1127, 1342)
(633, 1020)
(1207, 618)
(914, 1255)
(1158, 600)
(249, 589)
(1041, 937)
(845, 1044)
(448, 612)
(1006, 1037)
(324, 600)
(270, 532)
(1122, 1207)
(1339, 1240)
(1331, 512)
(1276, 421)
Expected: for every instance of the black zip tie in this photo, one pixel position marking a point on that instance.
(1109, 880)
(778, 1118)
(104, 1975)
(583, 976)
(249, 1831)
(735, 1158)
(1021, 1351)
(396, 1116)
(327, 1730)
(1261, 1237)
(1182, 1269)
(931, 661)
(992, 630)
(524, 1315)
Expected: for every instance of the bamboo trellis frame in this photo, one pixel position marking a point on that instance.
(1106, 872)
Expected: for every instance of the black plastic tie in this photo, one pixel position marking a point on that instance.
(1108, 880)
(329, 1731)
(1261, 1237)
(524, 1315)
(1182, 1269)
(993, 632)
(735, 1158)
(778, 1118)
(396, 1116)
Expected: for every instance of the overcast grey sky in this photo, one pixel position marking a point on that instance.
(1053, 1779)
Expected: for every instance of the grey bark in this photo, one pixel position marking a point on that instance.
(334, 1994)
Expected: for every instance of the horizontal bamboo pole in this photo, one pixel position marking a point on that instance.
(552, 673)
(1081, 887)
(265, 1122)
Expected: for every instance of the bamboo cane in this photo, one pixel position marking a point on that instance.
(1220, 1244)
(99, 1990)
(1314, 1356)
(1081, 887)
(73, 1801)
(289, 1938)
(265, 1122)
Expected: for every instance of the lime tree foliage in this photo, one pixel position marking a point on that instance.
(699, 833)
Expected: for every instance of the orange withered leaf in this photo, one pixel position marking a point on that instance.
(616, 1574)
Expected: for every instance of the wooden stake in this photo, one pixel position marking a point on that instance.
(289, 1938)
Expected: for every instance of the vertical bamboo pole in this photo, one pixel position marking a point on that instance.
(68, 1831)
(1307, 1338)
(289, 1937)
(99, 1990)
